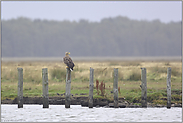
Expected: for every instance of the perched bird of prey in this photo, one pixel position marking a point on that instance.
(68, 61)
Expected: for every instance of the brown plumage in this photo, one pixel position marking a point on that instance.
(68, 61)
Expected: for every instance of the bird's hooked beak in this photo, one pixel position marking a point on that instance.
(69, 53)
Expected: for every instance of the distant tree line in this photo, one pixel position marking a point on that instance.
(118, 36)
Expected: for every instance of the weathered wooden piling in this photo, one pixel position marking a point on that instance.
(68, 89)
(144, 88)
(90, 102)
(20, 88)
(45, 88)
(169, 88)
(115, 87)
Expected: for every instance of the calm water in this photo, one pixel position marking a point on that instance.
(58, 113)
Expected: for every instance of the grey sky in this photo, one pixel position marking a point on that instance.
(165, 11)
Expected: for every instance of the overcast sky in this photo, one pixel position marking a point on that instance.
(165, 11)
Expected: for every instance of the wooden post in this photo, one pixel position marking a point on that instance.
(144, 88)
(115, 87)
(45, 88)
(68, 89)
(90, 103)
(20, 88)
(169, 88)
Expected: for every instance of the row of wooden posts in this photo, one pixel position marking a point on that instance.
(91, 86)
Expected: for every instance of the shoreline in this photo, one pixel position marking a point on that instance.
(83, 101)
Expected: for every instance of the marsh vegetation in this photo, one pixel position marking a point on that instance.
(129, 79)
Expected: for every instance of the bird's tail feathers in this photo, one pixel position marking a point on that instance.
(71, 69)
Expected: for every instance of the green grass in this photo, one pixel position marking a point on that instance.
(129, 80)
(134, 76)
(58, 74)
(132, 95)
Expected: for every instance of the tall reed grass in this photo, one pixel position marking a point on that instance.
(129, 77)
(128, 71)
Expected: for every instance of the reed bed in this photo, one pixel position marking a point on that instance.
(129, 78)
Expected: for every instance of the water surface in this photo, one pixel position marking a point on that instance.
(58, 113)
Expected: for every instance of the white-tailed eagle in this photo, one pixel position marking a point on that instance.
(68, 61)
